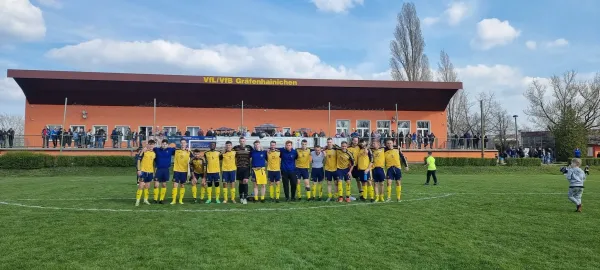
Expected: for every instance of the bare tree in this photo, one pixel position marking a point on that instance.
(446, 73)
(471, 112)
(501, 123)
(16, 122)
(547, 106)
(408, 62)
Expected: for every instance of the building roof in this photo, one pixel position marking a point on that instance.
(121, 89)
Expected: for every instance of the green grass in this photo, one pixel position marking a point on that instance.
(502, 219)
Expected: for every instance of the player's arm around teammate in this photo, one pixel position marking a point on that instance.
(316, 173)
(345, 165)
(274, 172)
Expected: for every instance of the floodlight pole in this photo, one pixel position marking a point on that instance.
(62, 134)
(516, 132)
(482, 140)
(329, 120)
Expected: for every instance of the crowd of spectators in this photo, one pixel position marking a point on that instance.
(7, 138)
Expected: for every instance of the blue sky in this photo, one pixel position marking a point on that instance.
(497, 46)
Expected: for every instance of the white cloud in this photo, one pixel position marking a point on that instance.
(50, 3)
(493, 32)
(168, 57)
(454, 14)
(561, 42)
(10, 90)
(431, 20)
(336, 6)
(532, 45)
(20, 21)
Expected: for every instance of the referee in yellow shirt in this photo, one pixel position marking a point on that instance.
(430, 163)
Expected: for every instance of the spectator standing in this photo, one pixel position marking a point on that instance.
(577, 153)
(431, 140)
(425, 140)
(419, 141)
(11, 137)
(2, 138)
(53, 136)
(187, 133)
(114, 136)
(45, 137)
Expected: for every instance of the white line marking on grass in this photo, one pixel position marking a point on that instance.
(218, 210)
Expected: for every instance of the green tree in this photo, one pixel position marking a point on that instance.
(569, 133)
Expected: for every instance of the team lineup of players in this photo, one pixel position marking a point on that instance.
(337, 165)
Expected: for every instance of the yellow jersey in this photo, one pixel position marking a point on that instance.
(393, 158)
(303, 160)
(198, 165)
(354, 150)
(364, 159)
(378, 158)
(229, 161)
(182, 161)
(147, 162)
(344, 159)
(431, 163)
(212, 158)
(330, 160)
(273, 160)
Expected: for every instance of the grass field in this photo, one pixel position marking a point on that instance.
(475, 220)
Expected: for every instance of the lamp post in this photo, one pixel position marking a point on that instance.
(516, 131)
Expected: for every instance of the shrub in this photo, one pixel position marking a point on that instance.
(29, 161)
(590, 161)
(460, 162)
(525, 162)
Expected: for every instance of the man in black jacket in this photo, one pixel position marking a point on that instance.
(11, 137)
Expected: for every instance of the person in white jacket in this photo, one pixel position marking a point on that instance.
(576, 177)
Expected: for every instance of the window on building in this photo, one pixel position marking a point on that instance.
(403, 127)
(145, 132)
(286, 130)
(97, 128)
(422, 127)
(383, 126)
(193, 130)
(77, 128)
(170, 130)
(342, 126)
(363, 127)
(123, 130)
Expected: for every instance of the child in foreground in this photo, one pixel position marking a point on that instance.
(576, 177)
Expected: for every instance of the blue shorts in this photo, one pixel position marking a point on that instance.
(147, 177)
(362, 177)
(378, 175)
(198, 176)
(162, 175)
(342, 174)
(394, 173)
(228, 177)
(273, 176)
(330, 176)
(180, 177)
(213, 177)
(302, 173)
(316, 174)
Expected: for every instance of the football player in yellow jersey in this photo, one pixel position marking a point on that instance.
(330, 167)
(228, 171)
(145, 165)
(378, 170)
(198, 173)
(213, 172)
(345, 164)
(274, 171)
(181, 170)
(302, 165)
(394, 159)
(364, 165)
(354, 148)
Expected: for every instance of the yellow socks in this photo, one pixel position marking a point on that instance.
(372, 192)
(225, 194)
(262, 197)
(320, 190)
(398, 192)
(308, 194)
(256, 197)
(272, 192)
(202, 193)
(146, 191)
(155, 193)
(389, 192)
(174, 194)
(315, 187)
(194, 191)
(340, 191)
(163, 193)
(381, 198)
(232, 190)
(364, 192)
(298, 191)
(181, 194)
(138, 195)
(209, 192)
(277, 191)
(218, 193)
(349, 189)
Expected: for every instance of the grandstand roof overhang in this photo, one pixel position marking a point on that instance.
(120, 89)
